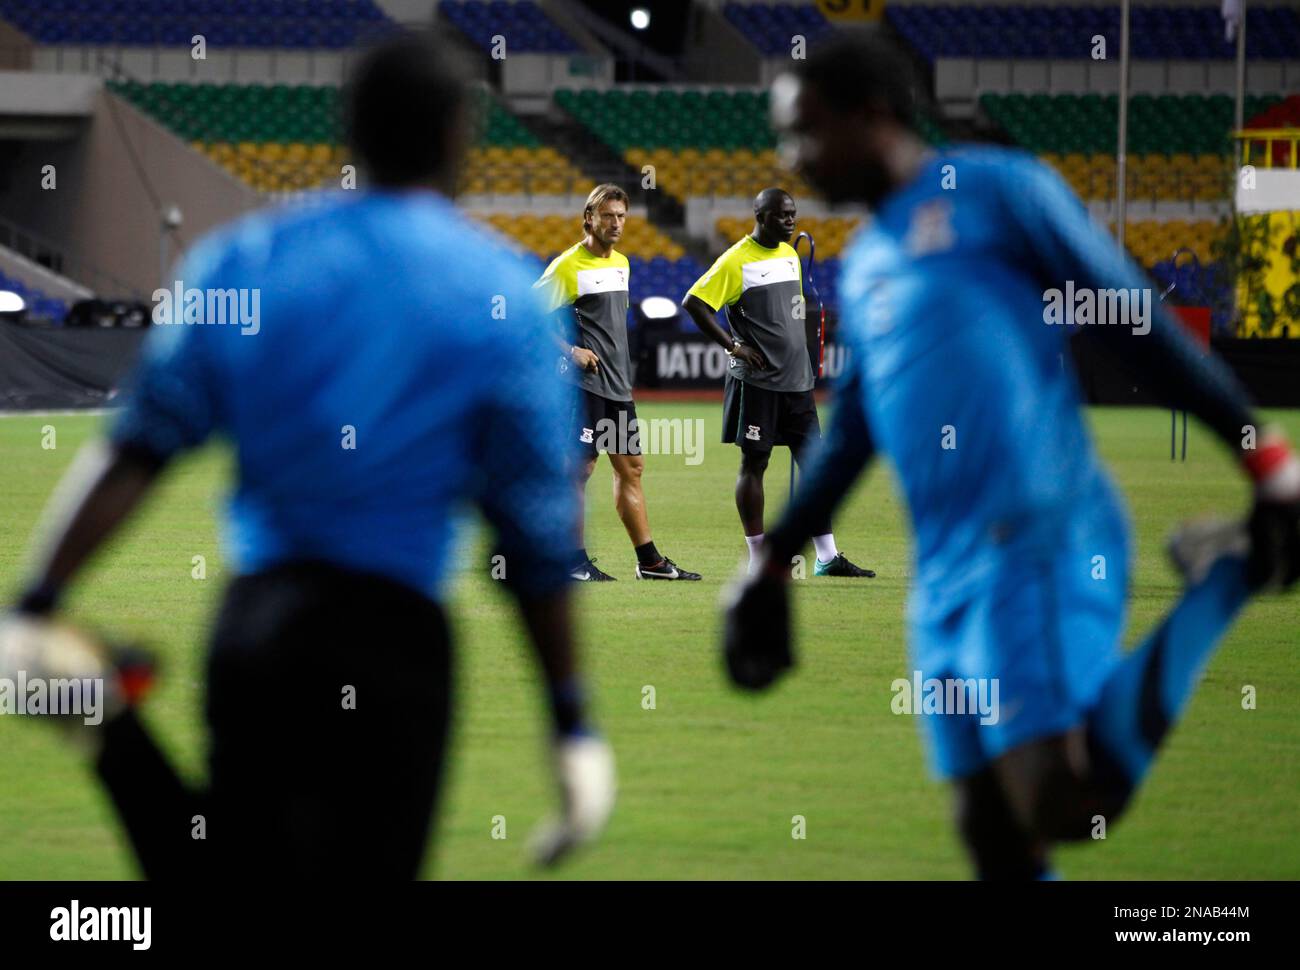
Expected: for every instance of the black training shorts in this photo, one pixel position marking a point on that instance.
(600, 424)
(758, 419)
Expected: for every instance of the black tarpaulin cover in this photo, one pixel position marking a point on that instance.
(63, 367)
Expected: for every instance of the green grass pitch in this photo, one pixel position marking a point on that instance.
(710, 779)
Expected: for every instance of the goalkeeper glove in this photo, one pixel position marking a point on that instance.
(37, 648)
(1274, 523)
(756, 628)
(584, 765)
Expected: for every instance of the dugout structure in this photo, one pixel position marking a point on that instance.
(1267, 232)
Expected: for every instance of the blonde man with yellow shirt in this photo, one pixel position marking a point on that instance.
(591, 277)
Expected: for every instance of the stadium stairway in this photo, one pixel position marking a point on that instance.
(594, 158)
(602, 164)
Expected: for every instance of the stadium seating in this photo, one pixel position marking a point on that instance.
(546, 236)
(286, 137)
(39, 304)
(1194, 124)
(275, 137)
(830, 232)
(770, 26)
(714, 171)
(1195, 284)
(663, 276)
(715, 143)
(333, 24)
(1066, 32)
(239, 112)
(641, 118)
(523, 24)
(718, 143)
(1152, 242)
(1179, 151)
(520, 169)
(700, 143)
(1180, 177)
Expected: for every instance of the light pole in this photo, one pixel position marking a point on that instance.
(171, 221)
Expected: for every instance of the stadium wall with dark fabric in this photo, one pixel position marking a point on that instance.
(51, 367)
(1270, 370)
(76, 368)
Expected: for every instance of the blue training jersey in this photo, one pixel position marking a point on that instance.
(399, 366)
(963, 383)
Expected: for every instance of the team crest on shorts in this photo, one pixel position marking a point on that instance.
(753, 434)
(587, 436)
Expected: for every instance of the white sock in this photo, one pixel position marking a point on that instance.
(825, 546)
(754, 543)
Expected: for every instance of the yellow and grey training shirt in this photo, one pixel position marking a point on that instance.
(597, 289)
(761, 288)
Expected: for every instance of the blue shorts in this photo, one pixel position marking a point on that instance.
(1039, 642)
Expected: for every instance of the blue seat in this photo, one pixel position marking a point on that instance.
(293, 23)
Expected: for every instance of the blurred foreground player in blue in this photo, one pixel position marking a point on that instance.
(377, 394)
(958, 375)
